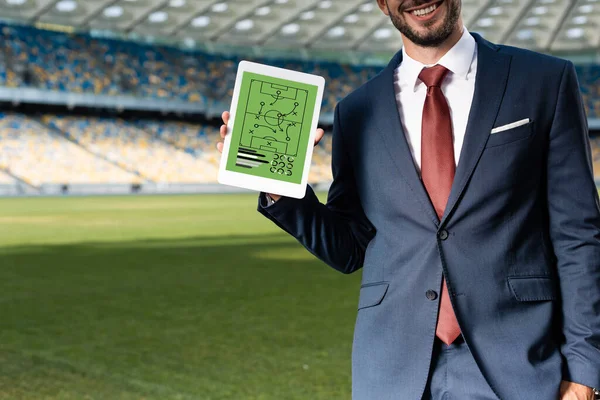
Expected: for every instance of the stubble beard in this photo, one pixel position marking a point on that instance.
(434, 37)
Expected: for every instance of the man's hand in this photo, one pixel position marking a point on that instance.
(223, 132)
(575, 391)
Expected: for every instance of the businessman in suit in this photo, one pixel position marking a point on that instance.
(463, 188)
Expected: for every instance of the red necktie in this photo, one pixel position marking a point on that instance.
(437, 172)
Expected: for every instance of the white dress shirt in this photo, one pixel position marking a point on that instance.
(458, 87)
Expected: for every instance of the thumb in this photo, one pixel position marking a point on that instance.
(319, 136)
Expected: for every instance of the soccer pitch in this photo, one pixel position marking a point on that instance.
(174, 297)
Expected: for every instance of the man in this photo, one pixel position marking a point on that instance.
(463, 188)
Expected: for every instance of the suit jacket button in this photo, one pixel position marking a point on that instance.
(443, 234)
(431, 295)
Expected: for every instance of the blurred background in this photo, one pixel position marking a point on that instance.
(126, 272)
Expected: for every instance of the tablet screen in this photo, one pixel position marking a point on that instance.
(272, 127)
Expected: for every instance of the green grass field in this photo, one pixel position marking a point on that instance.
(178, 297)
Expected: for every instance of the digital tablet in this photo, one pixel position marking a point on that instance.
(271, 131)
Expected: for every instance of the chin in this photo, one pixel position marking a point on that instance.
(426, 32)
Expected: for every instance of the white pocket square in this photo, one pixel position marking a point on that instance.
(510, 126)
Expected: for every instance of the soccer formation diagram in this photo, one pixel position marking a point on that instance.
(273, 118)
(275, 114)
(272, 127)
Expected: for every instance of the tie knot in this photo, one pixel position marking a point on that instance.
(433, 76)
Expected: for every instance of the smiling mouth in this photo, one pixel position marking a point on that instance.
(424, 10)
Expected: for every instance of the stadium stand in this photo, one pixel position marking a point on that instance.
(125, 144)
(82, 64)
(6, 179)
(192, 138)
(36, 155)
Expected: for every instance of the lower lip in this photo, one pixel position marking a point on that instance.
(429, 16)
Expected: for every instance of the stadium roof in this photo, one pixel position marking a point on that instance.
(355, 25)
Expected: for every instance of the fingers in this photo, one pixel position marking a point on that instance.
(319, 136)
(223, 129)
(220, 147)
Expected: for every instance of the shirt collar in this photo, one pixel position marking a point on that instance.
(458, 60)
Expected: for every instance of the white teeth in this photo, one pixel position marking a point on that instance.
(425, 11)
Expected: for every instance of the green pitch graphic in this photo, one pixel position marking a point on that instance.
(272, 128)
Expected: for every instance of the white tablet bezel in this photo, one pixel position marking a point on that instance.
(296, 190)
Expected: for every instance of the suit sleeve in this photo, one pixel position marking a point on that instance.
(337, 232)
(575, 233)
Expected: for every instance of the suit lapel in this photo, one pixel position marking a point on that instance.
(490, 84)
(387, 119)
